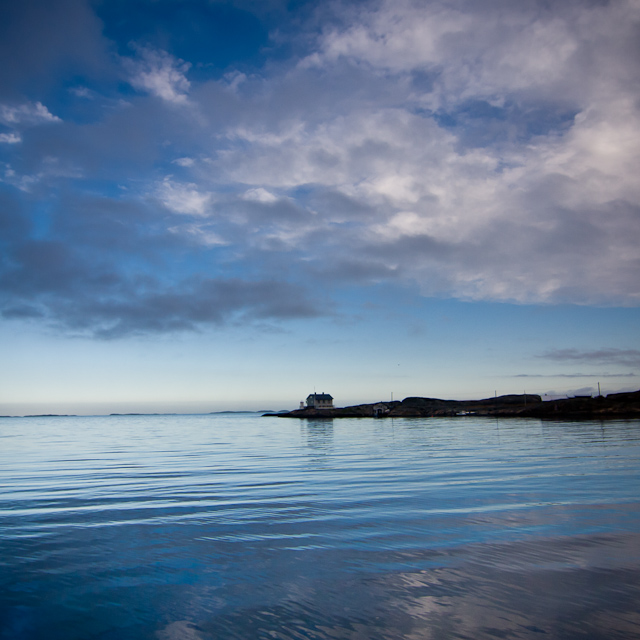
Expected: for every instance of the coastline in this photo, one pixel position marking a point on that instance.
(615, 405)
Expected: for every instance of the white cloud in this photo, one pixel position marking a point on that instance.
(488, 51)
(50, 168)
(483, 150)
(160, 74)
(184, 162)
(200, 233)
(10, 138)
(259, 195)
(234, 79)
(398, 36)
(487, 232)
(545, 213)
(386, 157)
(22, 182)
(83, 92)
(183, 198)
(29, 113)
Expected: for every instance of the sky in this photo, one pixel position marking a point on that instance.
(211, 205)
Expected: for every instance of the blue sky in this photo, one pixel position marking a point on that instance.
(223, 205)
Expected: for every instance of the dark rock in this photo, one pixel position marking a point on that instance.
(616, 405)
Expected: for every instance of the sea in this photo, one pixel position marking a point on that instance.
(193, 527)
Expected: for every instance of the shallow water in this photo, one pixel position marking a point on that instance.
(237, 526)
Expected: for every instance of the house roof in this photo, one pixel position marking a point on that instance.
(320, 396)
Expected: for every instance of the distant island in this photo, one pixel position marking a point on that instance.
(615, 405)
(50, 415)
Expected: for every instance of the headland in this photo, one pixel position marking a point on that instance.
(615, 405)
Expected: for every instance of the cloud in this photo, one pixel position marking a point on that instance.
(497, 147)
(122, 308)
(21, 312)
(201, 234)
(50, 169)
(486, 49)
(610, 356)
(259, 195)
(26, 114)
(530, 224)
(183, 198)
(576, 375)
(160, 74)
(46, 43)
(20, 117)
(184, 162)
(22, 182)
(193, 304)
(10, 138)
(83, 92)
(95, 280)
(480, 151)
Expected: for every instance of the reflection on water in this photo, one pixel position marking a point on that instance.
(318, 434)
(203, 527)
(484, 597)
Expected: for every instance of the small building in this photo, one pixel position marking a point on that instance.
(380, 410)
(319, 401)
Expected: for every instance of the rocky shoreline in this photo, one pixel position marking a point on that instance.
(615, 405)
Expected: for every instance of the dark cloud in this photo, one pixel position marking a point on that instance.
(22, 312)
(576, 375)
(273, 212)
(111, 268)
(339, 205)
(78, 295)
(610, 356)
(416, 248)
(88, 244)
(43, 266)
(13, 222)
(42, 43)
(483, 151)
(345, 271)
(124, 144)
(191, 305)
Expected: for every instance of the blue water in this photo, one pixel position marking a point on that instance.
(238, 526)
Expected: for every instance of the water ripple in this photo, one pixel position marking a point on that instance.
(197, 527)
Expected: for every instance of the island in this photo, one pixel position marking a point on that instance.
(614, 405)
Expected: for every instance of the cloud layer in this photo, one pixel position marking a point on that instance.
(475, 150)
(624, 357)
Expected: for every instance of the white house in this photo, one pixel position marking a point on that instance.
(320, 401)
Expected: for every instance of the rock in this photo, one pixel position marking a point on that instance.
(615, 405)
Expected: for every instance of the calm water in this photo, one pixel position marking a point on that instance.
(237, 526)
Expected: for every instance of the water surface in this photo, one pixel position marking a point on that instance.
(237, 526)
